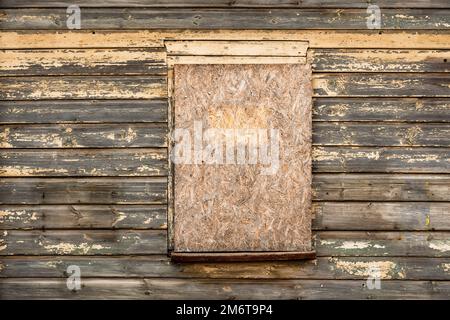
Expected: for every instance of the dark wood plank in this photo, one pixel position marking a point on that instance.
(221, 289)
(382, 244)
(241, 256)
(83, 136)
(83, 242)
(395, 160)
(91, 162)
(360, 60)
(381, 134)
(382, 109)
(381, 187)
(83, 217)
(385, 216)
(130, 18)
(83, 191)
(101, 87)
(83, 111)
(157, 266)
(227, 4)
(148, 61)
(381, 85)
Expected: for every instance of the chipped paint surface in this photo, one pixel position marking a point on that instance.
(385, 269)
(440, 245)
(70, 248)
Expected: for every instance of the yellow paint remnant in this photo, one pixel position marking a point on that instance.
(4, 139)
(440, 245)
(446, 267)
(66, 248)
(385, 269)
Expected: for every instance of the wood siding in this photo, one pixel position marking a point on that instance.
(83, 133)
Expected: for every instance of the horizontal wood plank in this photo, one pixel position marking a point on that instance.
(377, 216)
(221, 289)
(382, 109)
(82, 62)
(382, 244)
(83, 136)
(381, 85)
(92, 162)
(86, 242)
(77, 87)
(172, 60)
(83, 217)
(360, 60)
(370, 159)
(381, 187)
(142, 18)
(332, 39)
(83, 111)
(381, 134)
(237, 48)
(227, 4)
(83, 191)
(390, 268)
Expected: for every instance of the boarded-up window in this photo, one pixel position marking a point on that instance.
(242, 158)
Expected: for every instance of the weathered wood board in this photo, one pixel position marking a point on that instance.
(238, 205)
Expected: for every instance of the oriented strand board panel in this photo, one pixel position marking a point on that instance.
(242, 153)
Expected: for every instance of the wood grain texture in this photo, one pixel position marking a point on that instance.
(370, 159)
(107, 87)
(221, 289)
(382, 109)
(83, 111)
(83, 191)
(381, 85)
(83, 136)
(172, 60)
(381, 187)
(332, 39)
(232, 207)
(357, 60)
(381, 134)
(159, 266)
(86, 242)
(92, 162)
(227, 4)
(381, 216)
(237, 48)
(374, 244)
(187, 18)
(150, 61)
(83, 217)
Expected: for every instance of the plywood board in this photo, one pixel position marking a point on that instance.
(228, 202)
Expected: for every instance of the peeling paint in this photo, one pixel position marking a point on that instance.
(440, 245)
(387, 269)
(66, 248)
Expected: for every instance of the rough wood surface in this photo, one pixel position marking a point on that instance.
(381, 187)
(381, 85)
(239, 207)
(381, 134)
(227, 4)
(381, 216)
(182, 257)
(85, 242)
(382, 109)
(354, 243)
(82, 62)
(158, 266)
(358, 60)
(83, 111)
(221, 289)
(186, 18)
(106, 87)
(92, 162)
(371, 159)
(386, 39)
(172, 60)
(83, 136)
(83, 190)
(237, 48)
(83, 217)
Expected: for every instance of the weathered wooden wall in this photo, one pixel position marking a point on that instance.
(84, 160)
